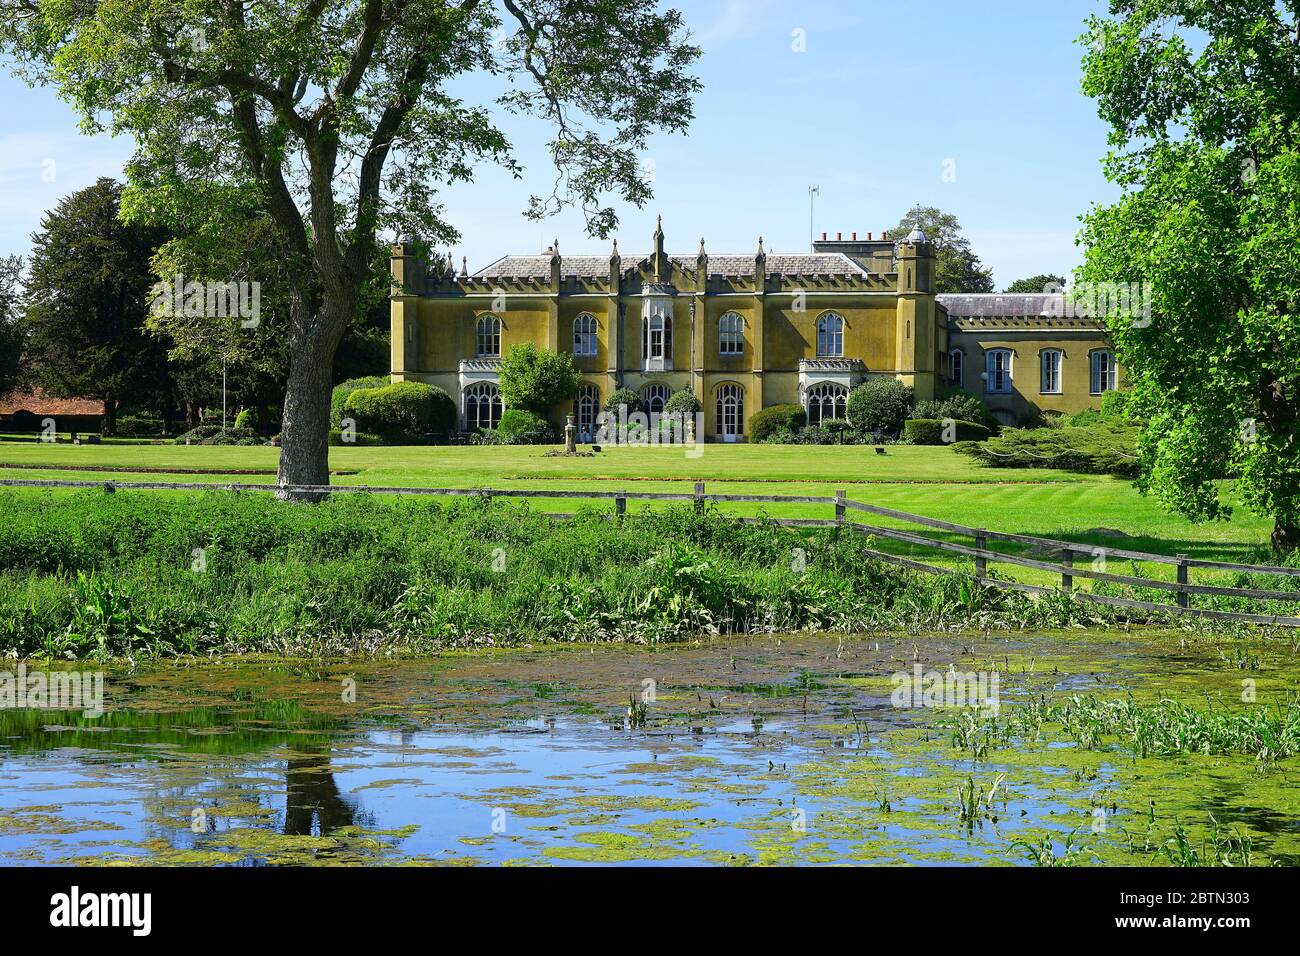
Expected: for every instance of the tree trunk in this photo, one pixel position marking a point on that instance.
(109, 426)
(1286, 536)
(304, 426)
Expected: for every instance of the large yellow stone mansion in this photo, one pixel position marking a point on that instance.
(741, 331)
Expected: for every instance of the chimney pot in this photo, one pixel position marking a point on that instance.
(855, 237)
(839, 236)
(823, 237)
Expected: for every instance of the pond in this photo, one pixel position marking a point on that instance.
(727, 751)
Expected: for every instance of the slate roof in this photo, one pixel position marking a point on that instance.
(808, 263)
(38, 403)
(999, 305)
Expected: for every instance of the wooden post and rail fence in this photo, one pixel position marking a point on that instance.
(980, 551)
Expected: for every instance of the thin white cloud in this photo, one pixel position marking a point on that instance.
(738, 18)
(40, 167)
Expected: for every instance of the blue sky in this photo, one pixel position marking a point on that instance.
(883, 96)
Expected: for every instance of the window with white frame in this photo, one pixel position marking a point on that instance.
(731, 334)
(654, 396)
(830, 335)
(483, 406)
(584, 334)
(1104, 372)
(1050, 377)
(489, 336)
(957, 367)
(657, 337)
(731, 410)
(826, 401)
(586, 406)
(997, 371)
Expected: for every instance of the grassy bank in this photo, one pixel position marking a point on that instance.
(84, 573)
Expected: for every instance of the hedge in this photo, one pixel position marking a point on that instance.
(339, 396)
(930, 431)
(767, 422)
(402, 410)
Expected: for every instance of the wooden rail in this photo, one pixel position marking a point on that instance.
(980, 552)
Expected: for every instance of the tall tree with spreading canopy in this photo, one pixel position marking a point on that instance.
(11, 336)
(1203, 101)
(1037, 284)
(339, 119)
(956, 267)
(87, 298)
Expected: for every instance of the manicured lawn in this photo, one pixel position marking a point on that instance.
(923, 480)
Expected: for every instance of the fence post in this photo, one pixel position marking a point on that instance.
(699, 497)
(1067, 561)
(1184, 599)
(839, 507)
(981, 544)
(620, 504)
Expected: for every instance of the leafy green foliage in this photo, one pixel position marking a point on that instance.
(767, 422)
(341, 391)
(930, 431)
(89, 573)
(959, 404)
(402, 410)
(956, 267)
(518, 426)
(88, 297)
(880, 405)
(682, 403)
(1104, 449)
(1036, 284)
(1204, 135)
(289, 111)
(11, 335)
(624, 396)
(535, 379)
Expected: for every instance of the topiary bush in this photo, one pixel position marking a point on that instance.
(245, 421)
(519, 426)
(401, 410)
(624, 396)
(339, 396)
(536, 379)
(930, 431)
(767, 423)
(880, 405)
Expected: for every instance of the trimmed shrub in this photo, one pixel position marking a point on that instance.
(401, 410)
(339, 396)
(682, 402)
(245, 421)
(958, 404)
(140, 426)
(768, 422)
(929, 431)
(356, 438)
(880, 405)
(623, 396)
(536, 379)
(519, 426)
